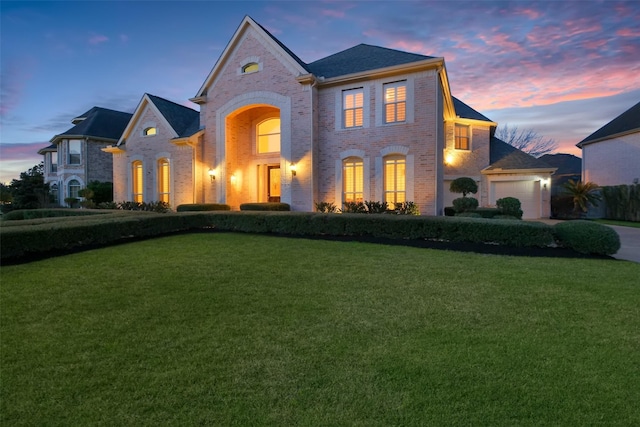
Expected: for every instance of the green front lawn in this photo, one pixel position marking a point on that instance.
(235, 329)
(616, 222)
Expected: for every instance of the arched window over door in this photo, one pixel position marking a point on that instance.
(268, 139)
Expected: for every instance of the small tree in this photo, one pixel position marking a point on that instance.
(464, 185)
(583, 194)
(30, 191)
(527, 140)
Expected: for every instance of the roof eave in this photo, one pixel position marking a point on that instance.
(488, 171)
(382, 72)
(604, 138)
(112, 149)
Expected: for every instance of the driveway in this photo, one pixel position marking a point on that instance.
(629, 243)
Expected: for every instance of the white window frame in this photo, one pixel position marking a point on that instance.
(133, 168)
(339, 108)
(69, 156)
(160, 174)
(395, 103)
(380, 113)
(354, 162)
(455, 136)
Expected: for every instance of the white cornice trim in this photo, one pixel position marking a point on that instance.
(604, 138)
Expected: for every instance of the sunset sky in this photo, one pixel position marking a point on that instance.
(562, 68)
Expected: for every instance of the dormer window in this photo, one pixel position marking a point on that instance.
(150, 131)
(251, 67)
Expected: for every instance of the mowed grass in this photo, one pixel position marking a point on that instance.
(235, 329)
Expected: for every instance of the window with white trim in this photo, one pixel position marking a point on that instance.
(353, 108)
(164, 180)
(463, 137)
(250, 68)
(74, 188)
(75, 152)
(352, 180)
(394, 180)
(395, 102)
(268, 136)
(150, 131)
(137, 175)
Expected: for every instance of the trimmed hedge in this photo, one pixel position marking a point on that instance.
(199, 207)
(25, 214)
(269, 206)
(58, 235)
(587, 237)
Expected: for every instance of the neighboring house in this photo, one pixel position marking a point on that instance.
(568, 167)
(367, 123)
(611, 155)
(75, 157)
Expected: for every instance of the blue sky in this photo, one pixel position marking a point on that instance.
(561, 68)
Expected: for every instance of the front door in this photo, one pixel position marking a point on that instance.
(273, 175)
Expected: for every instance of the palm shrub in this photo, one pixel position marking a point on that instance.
(510, 206)
(407, 208)
(354, 207)
(583, 194)
(374, 207)
(326, 207)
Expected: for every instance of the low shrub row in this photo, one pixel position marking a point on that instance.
(268, 206)
(200, 207)
(582, 236)
(26, 214)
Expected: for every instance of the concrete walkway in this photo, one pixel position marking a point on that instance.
(629, 240)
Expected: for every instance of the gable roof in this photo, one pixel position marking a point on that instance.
(627, 122)
(49, 149)
(567, 164)
(97, 123)
(503, 156)
(360, 58)
(466, 112)
(182, 119)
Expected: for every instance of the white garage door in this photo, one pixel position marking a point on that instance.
(528, 192)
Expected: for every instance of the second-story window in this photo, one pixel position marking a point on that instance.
(54, 161)
(462, 137)
(353, 107)
(75, 152)
(395, 102)
(250, 68)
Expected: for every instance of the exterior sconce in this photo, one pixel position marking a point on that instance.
(448, 159)
(233, 179)
(545, 182)
(212, 174)
(293, 169)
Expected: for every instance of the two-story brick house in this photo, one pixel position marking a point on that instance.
(75, 157)
(367, 123)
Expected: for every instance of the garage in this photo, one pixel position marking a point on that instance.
(528, 192)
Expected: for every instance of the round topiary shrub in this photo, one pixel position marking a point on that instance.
(587, 237)
(464, 185)
(463, 204)
(510, 206)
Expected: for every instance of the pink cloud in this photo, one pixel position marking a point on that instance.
(14, 77)
(333, 13)
(529, 13)
(97, 39)
(628, 32)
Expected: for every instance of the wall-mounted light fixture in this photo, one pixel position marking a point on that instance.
(212, 174)
(293, 169)
(545, 182)
(233, 179)
(448, 159)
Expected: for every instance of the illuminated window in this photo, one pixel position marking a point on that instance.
(269, 136)
(353, 107)
(74, 188)
(462, 137)
(394, 180)
(250, 68)
(395, 102)
(150, 131)
(163, 180)
(353, 180)
(75, 152)
(137, 181)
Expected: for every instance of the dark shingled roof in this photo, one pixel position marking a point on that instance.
(466, 112)
(99, 123)
(567, 164)
(286, 49)
(183, 120)
(50, 148)
(362, 57)
(505, 156)
(627, 121)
